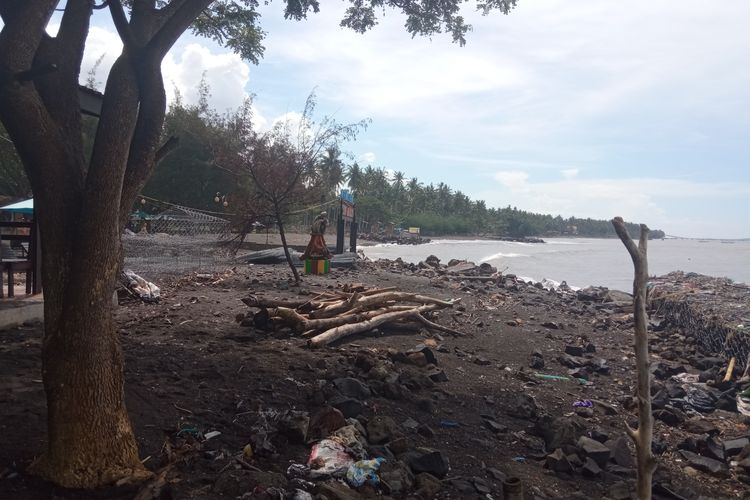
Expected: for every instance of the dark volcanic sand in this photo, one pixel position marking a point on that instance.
(190, 364)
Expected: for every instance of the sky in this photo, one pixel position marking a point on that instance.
(593, 108)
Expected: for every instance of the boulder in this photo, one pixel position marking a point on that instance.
(381, 429)
(594, 450)
(705, 464)
(428, 460)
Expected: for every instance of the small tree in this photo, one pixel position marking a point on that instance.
(277, 170)
(642, 436)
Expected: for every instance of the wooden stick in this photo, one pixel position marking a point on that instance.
(440, 328)
(334, 309)
(338, 332)
(730, 369)
(255, 301)
(646, 463)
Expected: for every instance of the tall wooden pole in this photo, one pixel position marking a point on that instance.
(642, 437)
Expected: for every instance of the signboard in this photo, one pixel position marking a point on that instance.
(347, 205)
(347, 211)
(347, 196)
(414, 230)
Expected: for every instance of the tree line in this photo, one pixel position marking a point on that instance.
(193, 175)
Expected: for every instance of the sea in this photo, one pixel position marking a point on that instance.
(582, 262)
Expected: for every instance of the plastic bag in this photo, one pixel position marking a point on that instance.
(328, 458)
(363, 472)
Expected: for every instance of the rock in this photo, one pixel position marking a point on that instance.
(537, 360)
(585, 412)
(733, 447)
(396, 477)
(744, 464)
(294, 426)
(353, 388)
(594, 450)
(699, 425)
(607, 408)
(425, 352)
(438, 376)
(428, 460)
(574, 350)
(558, 432)
(234, 483)
(495, 427)
(463, 486)
(482, 486)
(479, 360)
(591, 468)
(432, 261)
(324, 422)
(427, 485)
(582, 373)
(558, 462)
(715, 449)
(669, 416)
(349, 407)
(394, 390)
(380, 429)
(522, 406)
(496, 474)
(620, 452)
(705, 464)
(570, 361)
(334, 490)
(426, 431)
(618, 297)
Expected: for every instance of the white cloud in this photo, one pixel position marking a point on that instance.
(225, 73)
(569, 173)
(514, 179)
(367, 158)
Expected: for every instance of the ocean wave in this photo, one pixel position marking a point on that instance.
(500, 255)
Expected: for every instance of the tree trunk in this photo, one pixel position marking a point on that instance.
(280, 225)
(90, 441)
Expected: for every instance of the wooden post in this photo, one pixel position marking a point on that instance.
(340, 230)
(646, 463)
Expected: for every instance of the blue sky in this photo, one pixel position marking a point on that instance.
(590, 108)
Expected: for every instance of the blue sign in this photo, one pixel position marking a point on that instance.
(347, 196)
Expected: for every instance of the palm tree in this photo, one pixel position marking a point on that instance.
(355, 178)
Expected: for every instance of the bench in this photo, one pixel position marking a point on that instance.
(19, 255)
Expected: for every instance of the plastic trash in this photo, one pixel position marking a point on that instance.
(584, 403)
(329, 458)
(560, 377)
(743, 402)
(450, 424)
(145, 290)
(363, 472)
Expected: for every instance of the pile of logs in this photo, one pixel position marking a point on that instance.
(333, 315)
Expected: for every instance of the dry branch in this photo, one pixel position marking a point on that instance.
(342, 331)
(646, 463)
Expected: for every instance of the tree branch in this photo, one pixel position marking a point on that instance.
(176, 24)
(122, 26)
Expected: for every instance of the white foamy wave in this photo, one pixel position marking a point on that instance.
(547, 283)
(500, 255)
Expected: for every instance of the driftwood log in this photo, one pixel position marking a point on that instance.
(334, 315)
(642, 437)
